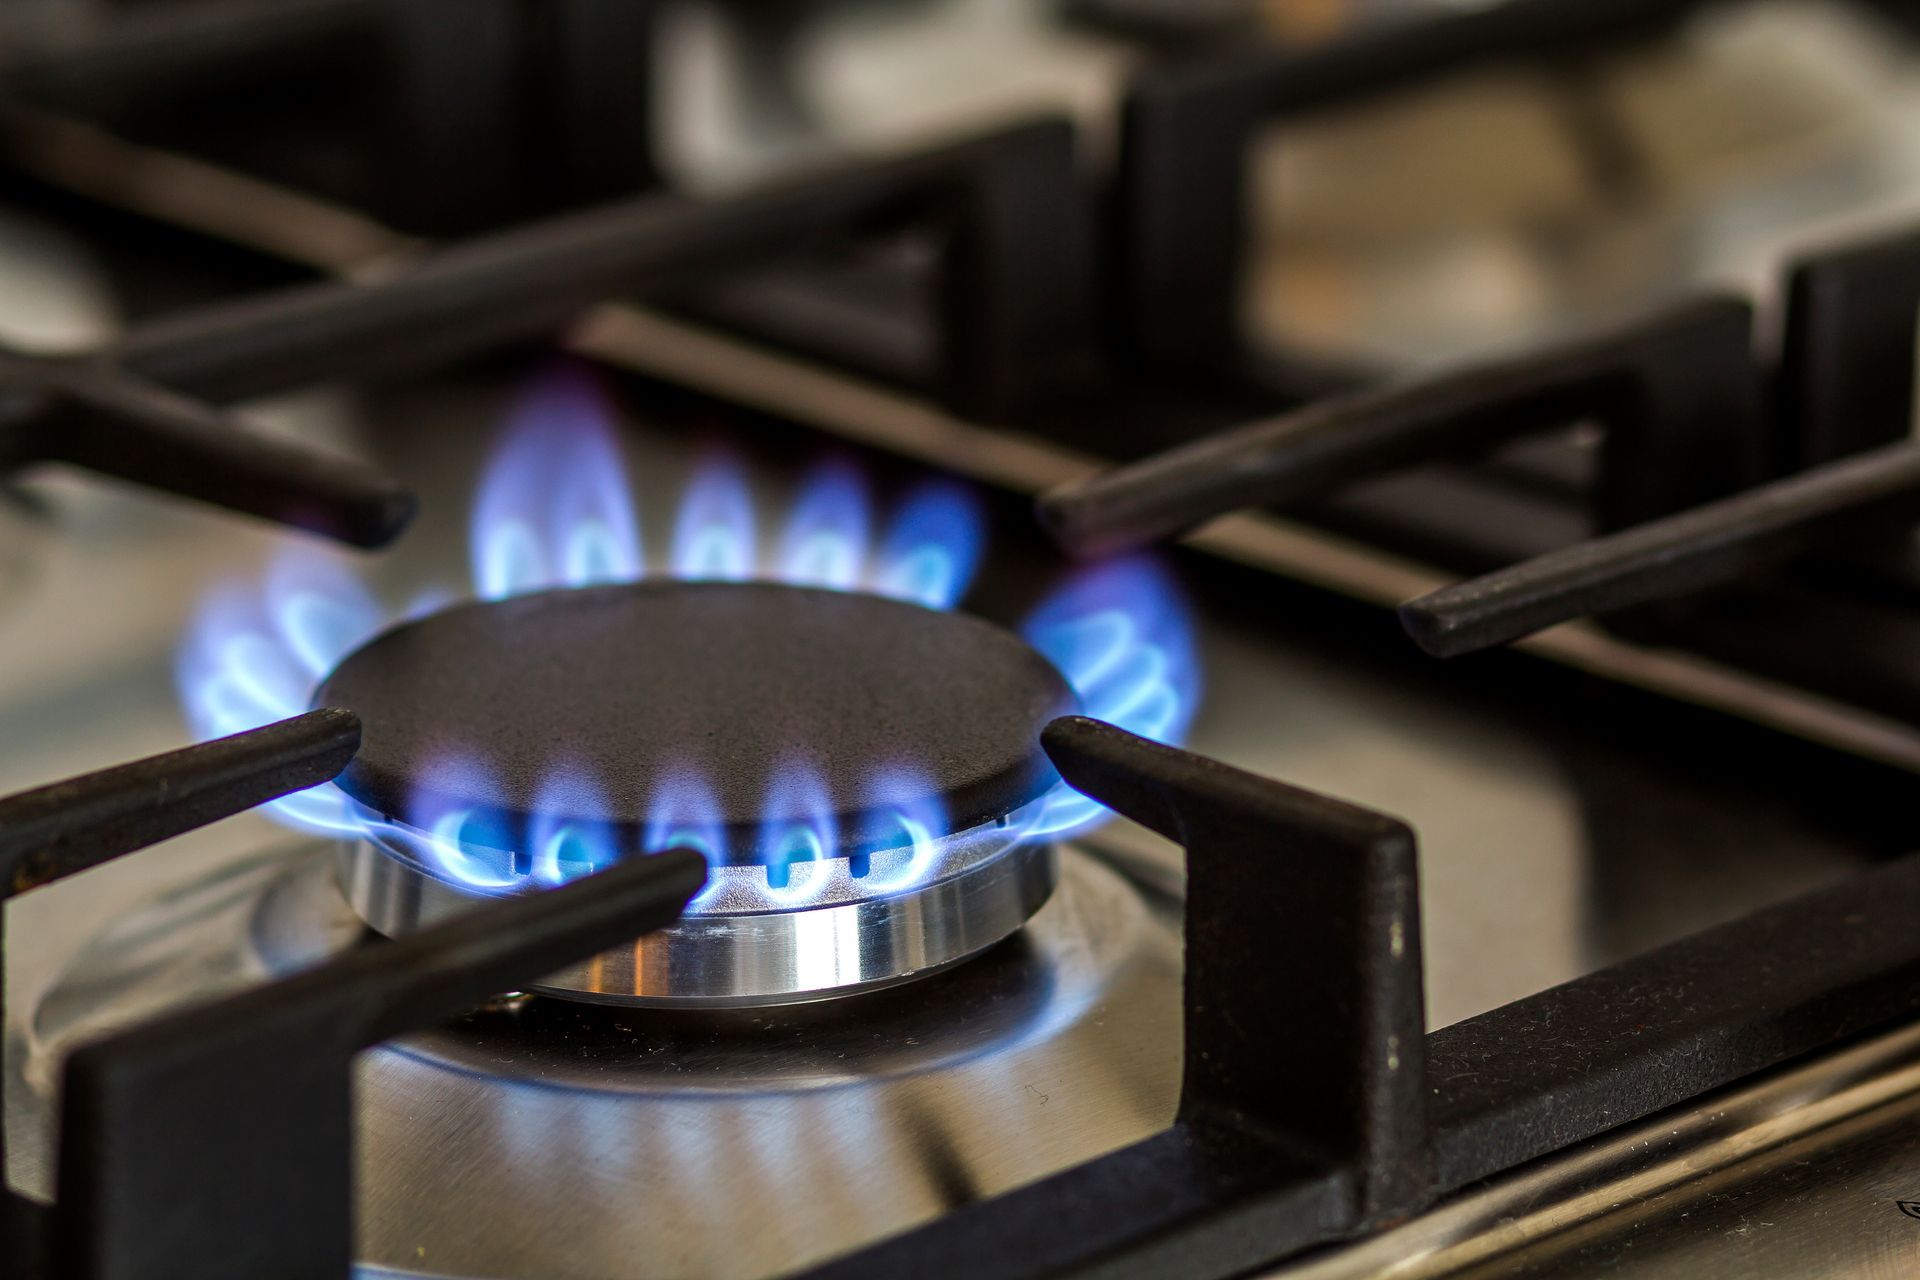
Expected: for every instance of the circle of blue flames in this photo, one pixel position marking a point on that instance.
(554, 510)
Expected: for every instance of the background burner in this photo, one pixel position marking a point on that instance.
(587, 700)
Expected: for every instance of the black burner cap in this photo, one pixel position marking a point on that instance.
(733, 683)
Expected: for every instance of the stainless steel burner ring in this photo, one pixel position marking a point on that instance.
(843, 934)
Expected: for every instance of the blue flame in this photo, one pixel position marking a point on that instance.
(933, 549)
(799, 837)
(826, 539)
(1119, 633)
(253, 657)
(683, 814)
(448, 845)
(563, 848)
(554, 510)
(908, 801)
(322, 611)
(713, 538)
(460, 843)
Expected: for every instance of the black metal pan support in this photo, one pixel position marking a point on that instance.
(1844, 413)
(1314, 1108)
(1677, 392)
(1015, 294)
(1188, 126)
(113, 423)
(563, 90)
(1189, 123)
(1708, 546)
(58, 830)
(1013, 304)
(1677, 499)
(216, 1142)
(1302, 1112)
(1847, 352)
(62, 829)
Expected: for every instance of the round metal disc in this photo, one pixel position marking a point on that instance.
(581, 704)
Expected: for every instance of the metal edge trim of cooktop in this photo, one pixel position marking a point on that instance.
(1611, 1174)
(313, 232)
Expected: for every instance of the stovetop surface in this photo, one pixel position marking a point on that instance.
(1565, 822)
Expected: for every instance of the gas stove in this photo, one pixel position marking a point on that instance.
(709, 640)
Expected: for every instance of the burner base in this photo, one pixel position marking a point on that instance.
(838, 944)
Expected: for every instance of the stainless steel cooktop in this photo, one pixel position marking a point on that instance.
(613, 1133)
(539, 1136)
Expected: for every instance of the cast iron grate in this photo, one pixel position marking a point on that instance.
(217, 1140)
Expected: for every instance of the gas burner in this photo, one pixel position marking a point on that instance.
(858, 763)
(868, 772)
